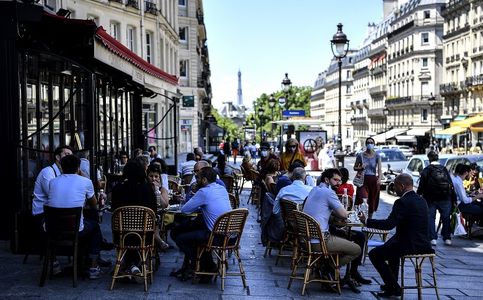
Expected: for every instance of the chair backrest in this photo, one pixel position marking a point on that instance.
(232, 200)
(187, 179)
(308, 230)
(133, 222)
(287, 208)
(62, 224)
(175, 178)
(174, 186)
(229, 181)
(228, 229)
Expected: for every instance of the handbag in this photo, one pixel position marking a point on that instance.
(460, 228)
(358, 179)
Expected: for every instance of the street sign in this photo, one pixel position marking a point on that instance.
(188, 101)
(293, 113)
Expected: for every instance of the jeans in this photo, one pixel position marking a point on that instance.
(93, 236)
(444, 208)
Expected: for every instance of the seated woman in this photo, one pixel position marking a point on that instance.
(134, 190)
(247, 162)
(163, 167)
(467, 204)
(273, 168)
(345, 185)
(162, 199)
(471, 183)
(292, 153)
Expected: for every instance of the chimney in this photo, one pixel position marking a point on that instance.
(389, 6)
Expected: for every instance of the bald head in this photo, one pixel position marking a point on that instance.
(403, 183)
(200, 165)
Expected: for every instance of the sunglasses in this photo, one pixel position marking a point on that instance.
(292, 146)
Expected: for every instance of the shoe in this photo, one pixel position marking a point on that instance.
(104, 262)
(434, 242)
(358, 277)
(447, 242)
(95, 272)
(137, 274)
(351, 284)
(389, 293)
(56, 268)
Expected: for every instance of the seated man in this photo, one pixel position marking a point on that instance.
(410, 217)
(212, 199)
(320, 203)
(297, 191)
(71, 190)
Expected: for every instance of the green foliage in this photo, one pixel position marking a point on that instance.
(231, 129)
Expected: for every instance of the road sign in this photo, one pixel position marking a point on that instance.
(293, 113)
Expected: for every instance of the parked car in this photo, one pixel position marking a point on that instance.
(464, 159)
(408, 152)
(392, 159)
(418, 162)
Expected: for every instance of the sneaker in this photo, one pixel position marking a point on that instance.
(434, 242)
(95, 272)
(447, 242)
(137, 275)
(56, 268)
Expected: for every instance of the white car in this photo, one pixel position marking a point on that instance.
(418, 162)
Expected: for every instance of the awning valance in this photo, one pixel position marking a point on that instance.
(406, 139)
(448, 132)
(382, 137)
(418, 131)
(467, 122)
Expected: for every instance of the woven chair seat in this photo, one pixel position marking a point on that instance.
(374, 230)
(419, 255)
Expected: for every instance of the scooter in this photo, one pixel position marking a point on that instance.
(388, 181)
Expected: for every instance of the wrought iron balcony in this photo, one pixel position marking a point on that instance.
(398, 100)
(381, 89)
(150, 8)
(449, 88)
(133, 3)
(359, 120)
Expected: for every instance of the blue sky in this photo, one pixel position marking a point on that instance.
(267, 38)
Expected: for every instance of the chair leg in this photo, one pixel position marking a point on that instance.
(366, 247)
(223, 269)
(144, 267)
(45, 267)
(402, 278)
(431, 259)
(307, 274)
(240, 266)
(119, 256)
(74, 263)
(337, 273)
(268, 250)
(419, 277)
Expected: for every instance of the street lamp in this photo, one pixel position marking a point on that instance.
(271, 103)
(283, 101)
(432, 102)
(385, 112)
(341, 44)
(286, 83)
(261, 110)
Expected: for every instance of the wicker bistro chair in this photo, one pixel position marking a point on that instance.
(224, 237)
(308, 230)
(62, 230)
(229, 181)
(233, 201)
(133, 228)
(289, 238)
(369, 233)
(417, 260)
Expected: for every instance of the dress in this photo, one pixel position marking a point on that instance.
(409, 215)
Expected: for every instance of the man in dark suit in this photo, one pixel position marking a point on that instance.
(410, 217)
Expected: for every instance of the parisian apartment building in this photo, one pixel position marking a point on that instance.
(417, 70)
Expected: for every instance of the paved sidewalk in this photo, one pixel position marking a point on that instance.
(459, 274)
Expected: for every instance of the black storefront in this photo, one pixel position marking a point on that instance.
(53, 92)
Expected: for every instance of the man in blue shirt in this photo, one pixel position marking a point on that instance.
(297, 191)
(212, 200)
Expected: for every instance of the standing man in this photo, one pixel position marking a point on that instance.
(436, 187)
(321, 202)
(409, 215)
(227, 149)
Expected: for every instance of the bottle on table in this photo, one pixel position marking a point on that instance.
(364, 207)
(157, 192)
(101, 201)
(345, 199)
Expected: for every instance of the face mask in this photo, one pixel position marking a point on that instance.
(264, 153)
(370, 146)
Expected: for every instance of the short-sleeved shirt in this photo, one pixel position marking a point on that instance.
(369, 162)
(70, 190)
(297, 192)
(41, 188)
(320, 203)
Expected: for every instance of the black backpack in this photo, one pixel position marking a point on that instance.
(439, 182)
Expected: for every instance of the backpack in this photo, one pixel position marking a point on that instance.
(439, 182)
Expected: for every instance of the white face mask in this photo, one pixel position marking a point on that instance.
(264, 153)
(370, 146)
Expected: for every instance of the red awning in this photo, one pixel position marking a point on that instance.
(124, 52)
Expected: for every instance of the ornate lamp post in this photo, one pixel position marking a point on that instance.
(261, 110)
(385, 112)
(271, 103)
(341, 44)
(283, 102)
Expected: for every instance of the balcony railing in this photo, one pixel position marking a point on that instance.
(379, 69)
(359, 120)
(133, 3)
(150, 8)
(381, 89)
(474, 80)
(449, 88)
(398, 100)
